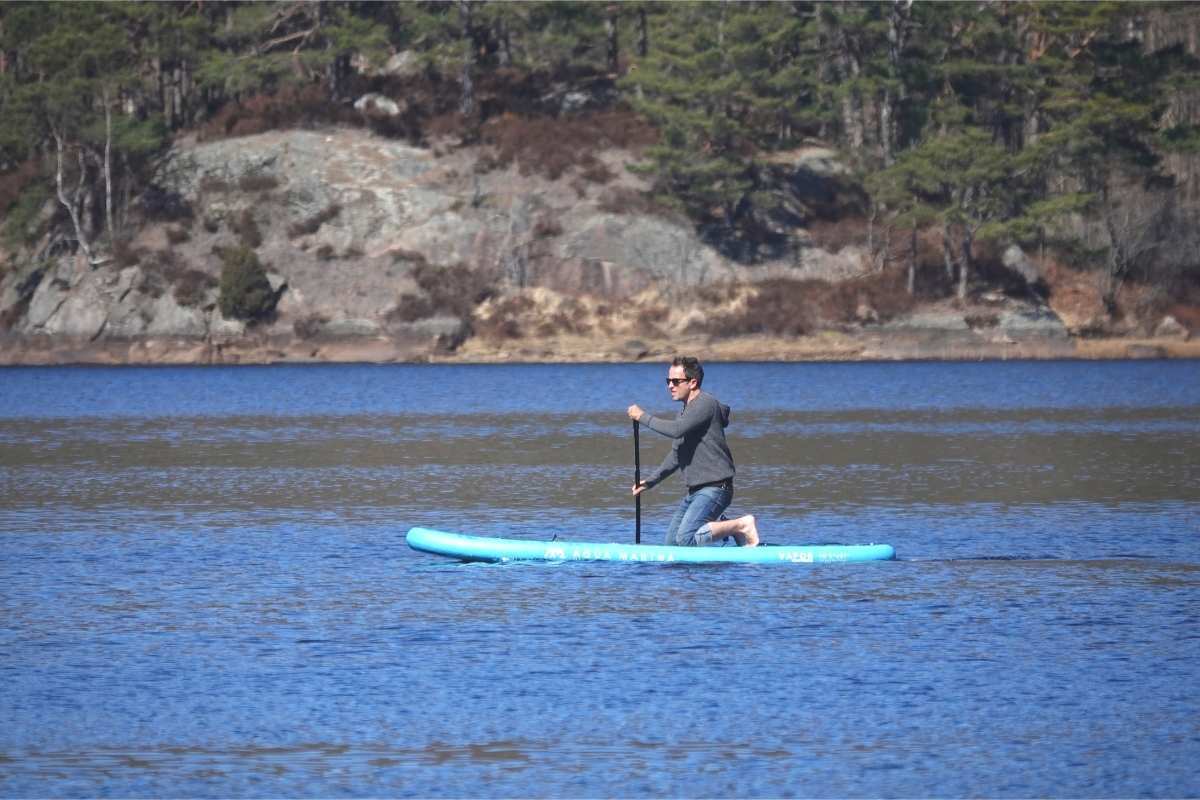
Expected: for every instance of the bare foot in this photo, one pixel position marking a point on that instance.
(747, 532)
(751, 535)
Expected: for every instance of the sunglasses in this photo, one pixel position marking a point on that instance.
(677, 381)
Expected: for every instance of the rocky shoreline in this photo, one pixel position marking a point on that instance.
(826, 346)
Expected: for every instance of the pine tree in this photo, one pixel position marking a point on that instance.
(1101, 107)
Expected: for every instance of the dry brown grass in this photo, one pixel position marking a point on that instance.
(552, 146)
(833, 235)
(786, 307)
(291, 107)
(454, 290)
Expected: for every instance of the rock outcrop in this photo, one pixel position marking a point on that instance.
(359, 236)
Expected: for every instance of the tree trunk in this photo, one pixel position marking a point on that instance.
(964, 267)
(466, 105)
(852, 106)
(948, 253)
(610, 32)
(164, 102)
(185, 92)
(72, 204)
(504, 43)
(108, 190)
(643, 45)
(899, 20)
(1117, 262)
(912, 263)
(177, 94)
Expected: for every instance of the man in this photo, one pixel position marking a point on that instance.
(702, 457)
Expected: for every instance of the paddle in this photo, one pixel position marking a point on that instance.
(637, 478)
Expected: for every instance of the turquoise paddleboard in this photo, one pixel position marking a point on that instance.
(484, 548)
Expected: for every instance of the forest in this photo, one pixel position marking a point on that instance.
(1065, 127)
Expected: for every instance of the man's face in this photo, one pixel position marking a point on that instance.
(678, 384)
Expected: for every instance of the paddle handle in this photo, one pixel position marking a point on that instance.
(637, 478)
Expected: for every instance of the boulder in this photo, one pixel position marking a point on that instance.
(816, 160)
(1015, 259)
(169, 319)
(441, 326)
(660, 250)
(377, 106)
(51, 292)
(340, 328)
(82, 315)
(940, 321)
(222, 330)
(1171, 328)
(1034, 323)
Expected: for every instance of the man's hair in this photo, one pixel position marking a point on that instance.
(691, 368)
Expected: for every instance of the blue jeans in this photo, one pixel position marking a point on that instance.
(689, 527)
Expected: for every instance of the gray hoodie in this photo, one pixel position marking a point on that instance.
(699, 451)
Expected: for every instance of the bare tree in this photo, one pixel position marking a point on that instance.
(1136, 223)
(74, 203)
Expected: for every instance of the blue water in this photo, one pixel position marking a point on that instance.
(204, 589)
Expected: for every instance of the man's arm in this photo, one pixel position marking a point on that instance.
(669, 465)
(696, 415)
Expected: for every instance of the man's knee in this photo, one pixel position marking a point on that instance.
(700, 537)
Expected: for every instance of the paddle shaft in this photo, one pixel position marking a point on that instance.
(637, 478)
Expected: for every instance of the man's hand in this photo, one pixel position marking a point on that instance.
(638, 488)
(635, 412)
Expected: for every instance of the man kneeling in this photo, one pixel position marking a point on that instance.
(701, 455)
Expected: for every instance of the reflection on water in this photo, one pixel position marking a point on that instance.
(204, 589)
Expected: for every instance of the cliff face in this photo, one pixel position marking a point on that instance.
(342, 220)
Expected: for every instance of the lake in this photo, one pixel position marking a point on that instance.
(205, 589)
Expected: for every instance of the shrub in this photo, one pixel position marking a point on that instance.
(13, 184)
(309, 326)
(21, 220)
(314, 223)
(290, 107)
(410, 308)
(598, 172)
(455, 290)
(787, 307)
(245, 291)
(550, 146)
(247, 230)
(125, 254)
(164, 205)
(545, 228)
(213, 184)
(192, 286)
(177, 234)
(833, 235)
(258, 182)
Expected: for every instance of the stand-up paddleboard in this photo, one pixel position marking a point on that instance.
(484, 548)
